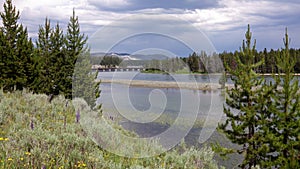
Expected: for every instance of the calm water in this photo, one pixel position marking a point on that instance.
(121, 97)
(172, 77)
(160, 77)
(143, 110)
(151, 111)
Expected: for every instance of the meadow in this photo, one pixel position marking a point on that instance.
(38, 134)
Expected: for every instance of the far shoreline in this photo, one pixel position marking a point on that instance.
(164, 84)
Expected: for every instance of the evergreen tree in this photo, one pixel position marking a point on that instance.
(82, 82)
(193, 62)
(45, 82)
(243, 108)
(52, 59)
(75, 46)
(25, 58)
(3, 59)
(16, 50)
(58, 59)
(283, 132)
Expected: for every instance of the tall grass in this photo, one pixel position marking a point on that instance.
(38, 134)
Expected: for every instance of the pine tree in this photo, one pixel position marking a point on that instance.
(3, 59)
(16, 50)
(75, 46)
(25, 58)
(283, 133)
(45, 82)
(243, 109)
(57, 57)
(82, 82)
(193, 62)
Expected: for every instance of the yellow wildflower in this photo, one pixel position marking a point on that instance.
(9, 159)
(4, 139)
(21, 158)
(28, 153)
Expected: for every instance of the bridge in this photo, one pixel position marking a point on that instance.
(120, 69)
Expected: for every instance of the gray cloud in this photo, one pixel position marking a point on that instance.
(133, 5)
(224, 21)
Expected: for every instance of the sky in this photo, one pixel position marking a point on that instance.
(176, 26)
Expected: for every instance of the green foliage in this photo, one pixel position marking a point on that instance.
(110, 61)
(283, 127)
(35, 134)
(264, 117)
(46, 60)
(75, 45)
(244, 104)
(204, 63)
(193, 62)
(16, 51)
(63, 59)
(269, 57)
(84, 84)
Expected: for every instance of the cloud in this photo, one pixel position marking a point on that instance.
(224, 21)
(232, 14)
(134, 5)
(109, 4)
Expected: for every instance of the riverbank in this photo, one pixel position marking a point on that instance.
(164, 84)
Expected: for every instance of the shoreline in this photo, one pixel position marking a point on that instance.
(164, 84)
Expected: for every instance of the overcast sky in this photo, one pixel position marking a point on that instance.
(220, 24)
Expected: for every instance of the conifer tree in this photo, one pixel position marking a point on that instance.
(75, 46)
(3, 59)
(16, 50)
(57, 57)
(25, 58)
(45, 82)
(82, 82)
(242, 109)
(283, 132)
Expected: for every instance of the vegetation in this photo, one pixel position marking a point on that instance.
(269, 66)
(110, 61)
(261, 116)
(38, 131)
(39, 134)
(16, 59)
(49, 67)
(242, 104)
(281, 123)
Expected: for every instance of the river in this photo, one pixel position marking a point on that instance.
(151, 111)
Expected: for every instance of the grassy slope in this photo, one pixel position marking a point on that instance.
(35, 133)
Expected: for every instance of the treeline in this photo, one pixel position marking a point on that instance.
(269, 58)
(203, 63)
(108, 61)
(170, 65)
(47, 67)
